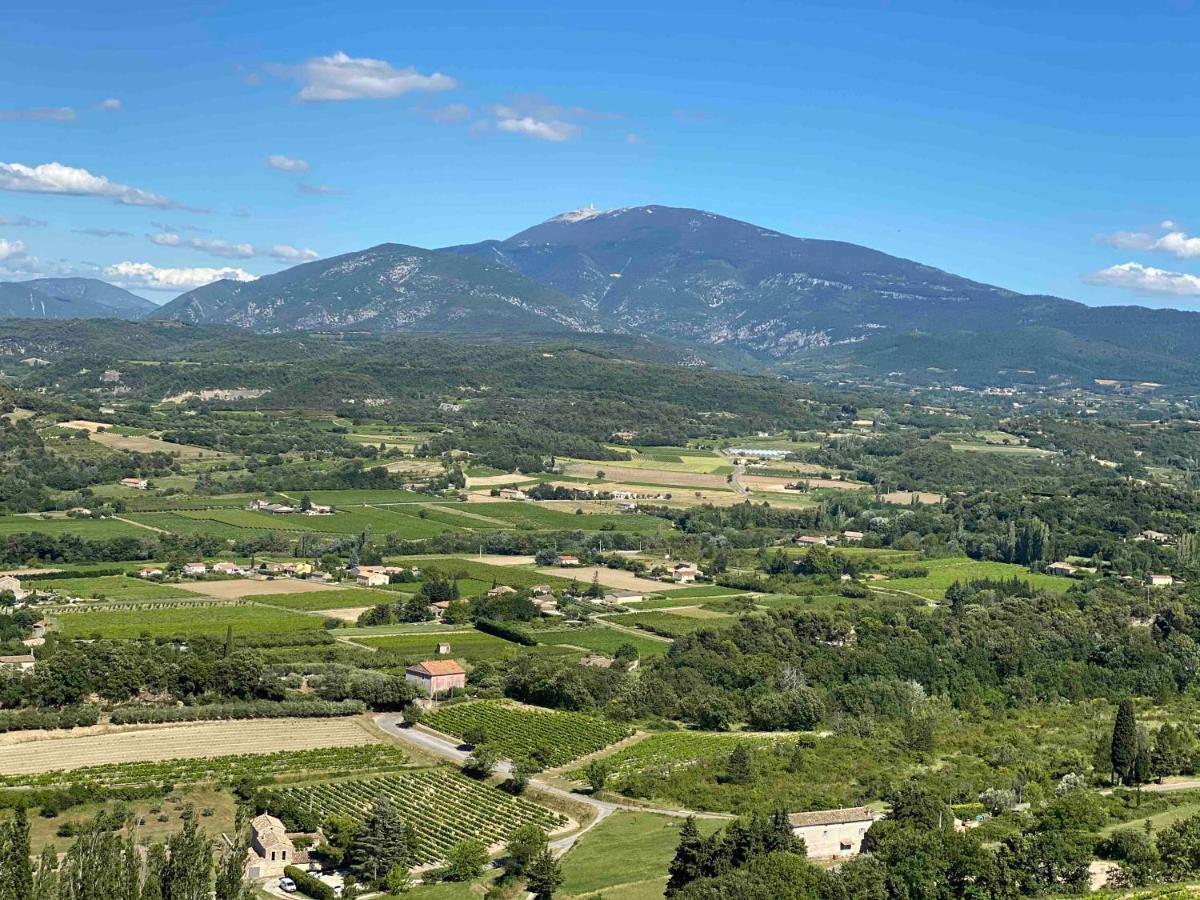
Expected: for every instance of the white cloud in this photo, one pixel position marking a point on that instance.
(22, 222)
(1135, 276)
(110, 104)
(1175, 241)
(9, 249)
(228, 250)
(552, 130)
(38, 114)
(287, 164)
(55, 178)
(152, 278)
(339, 77)
(102, 232)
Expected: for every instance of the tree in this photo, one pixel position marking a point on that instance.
(465, 860)
(481, 762)
(384, 840)
(739, 768)
(1179, 848)
(189, 862)
(523, 770)
(46, 884)
(398, 880)
(1124, 741)
(597, 772)
(546, 557)
(688, 863)
(1141, 763)
(545, 876)
(16, 871)
(524, 846)
(229, 885)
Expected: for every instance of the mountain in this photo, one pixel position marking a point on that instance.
(388, 288)
(69, 298)
(737, 294)
(708, 279)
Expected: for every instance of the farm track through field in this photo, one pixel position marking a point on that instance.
(639, 632)
(142, 525)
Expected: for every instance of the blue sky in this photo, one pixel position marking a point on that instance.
(1041, 146)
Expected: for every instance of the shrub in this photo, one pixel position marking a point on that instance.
(308, 885)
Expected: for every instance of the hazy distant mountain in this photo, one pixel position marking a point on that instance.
(69, 298)
(388, 288)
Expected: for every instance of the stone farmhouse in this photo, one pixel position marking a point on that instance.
(833, 833)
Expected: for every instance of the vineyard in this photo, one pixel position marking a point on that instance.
(442, 807)
(517, 732)
(323, 761)
(174, 620)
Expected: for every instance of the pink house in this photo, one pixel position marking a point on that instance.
(436, 676)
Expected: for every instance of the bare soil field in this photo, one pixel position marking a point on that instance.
(647, 476)
(613, 578)
(142, 444)
(346, 615)
(49, 751)
(768, 483)
(85, 425)
(236, 588)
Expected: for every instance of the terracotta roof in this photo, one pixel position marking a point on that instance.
(438, 667)
(831, 817)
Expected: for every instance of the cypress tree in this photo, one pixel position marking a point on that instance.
(19, 872)
(1124, 741)
(46, 886)
(689, 855)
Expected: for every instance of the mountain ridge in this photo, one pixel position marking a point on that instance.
(70, 298)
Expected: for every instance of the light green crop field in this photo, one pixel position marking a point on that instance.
(671, 625)
(468, 645)
(531, 516)
(57, 525)
(350, 598)
(602, 640)
(944, 572)
(183, 621)
(680, 748)
(644, 843)
(513, 576)
(114, 587)
(359, 497)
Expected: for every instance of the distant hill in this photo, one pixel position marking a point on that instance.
(388, 288)
(69, 298)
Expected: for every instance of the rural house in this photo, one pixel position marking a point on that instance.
(372, 577)
(832, 833)
(139, 484)
(228, 568)
(270, 849)
(852, 537)
(811, 540)
(501, 590)
(22, 663)
(567, 559)
(12, 584)
(1159, 581)
(1064, 569)
(509, 493)
(436, 676)
(150, 572)
(684, 573)
(194, 568)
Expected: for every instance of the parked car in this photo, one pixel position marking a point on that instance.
(287, 885)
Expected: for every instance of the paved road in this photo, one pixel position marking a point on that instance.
(448, 750)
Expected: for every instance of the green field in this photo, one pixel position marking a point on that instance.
(644, 843)
(114, 587)
(672, 624)
(516, 732)
(191, 620)
(442, 806)
(93, 529)
(602, 640)
(468, 645)
(350, 598)
(529, 516)
(513, 576)
(665, 750)
(944, 572)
